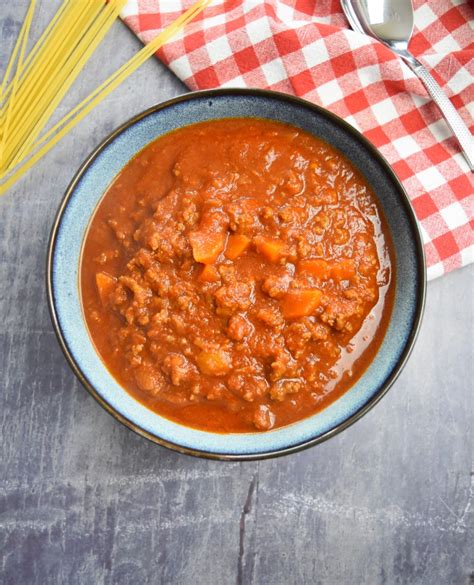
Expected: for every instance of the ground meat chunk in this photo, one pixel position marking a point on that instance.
(282, 388)
(216, 391)
(118, 296)
(236, 296)
(339, 311)
(190, 214)
(263, 418)
(270, 316)
(283, 366)
(329, 349)
(236, 382)
(179, 369)
(154, 277)
(227, 273)
(166, 242)
(276, 286)
(247, 386)
(243, 215)
(297, 335)
(319, 331)
(144, 258)
(239, 328)
(148, 379)
(120, 232)
(141, 294)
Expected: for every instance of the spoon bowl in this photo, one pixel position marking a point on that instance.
(391, 22)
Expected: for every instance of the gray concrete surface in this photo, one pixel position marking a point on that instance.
(85, 501)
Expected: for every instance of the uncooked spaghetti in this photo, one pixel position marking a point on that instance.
(34, 85)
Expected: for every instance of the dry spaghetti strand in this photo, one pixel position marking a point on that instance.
(20, 49)
(24, 31)
(46, 84)
(28, 146)
(29, 130)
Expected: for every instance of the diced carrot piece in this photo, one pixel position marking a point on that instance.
(105, 285)
(272, 249)
(343, 269)
(317, 267)
(236, 245)
(300, 303)
(206, 245)
(209, 274)
(214, 363)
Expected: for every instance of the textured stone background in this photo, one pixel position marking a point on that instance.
(85, 501)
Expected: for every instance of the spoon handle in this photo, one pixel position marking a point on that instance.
(453, 119)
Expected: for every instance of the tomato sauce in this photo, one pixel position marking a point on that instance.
(238, 275)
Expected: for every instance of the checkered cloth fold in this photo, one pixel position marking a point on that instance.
(305, 47)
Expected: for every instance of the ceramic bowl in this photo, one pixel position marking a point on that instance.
(85, 193)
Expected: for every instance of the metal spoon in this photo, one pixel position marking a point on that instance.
(391, 22)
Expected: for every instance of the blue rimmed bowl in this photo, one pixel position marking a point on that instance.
(85, 193)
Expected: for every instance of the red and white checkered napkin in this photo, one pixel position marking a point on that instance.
(304, 47)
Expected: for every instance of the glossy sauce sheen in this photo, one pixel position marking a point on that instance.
(237, 275)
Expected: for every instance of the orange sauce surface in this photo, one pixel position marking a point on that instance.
(238, 275)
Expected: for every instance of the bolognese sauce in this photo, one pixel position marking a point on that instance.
(238, 275)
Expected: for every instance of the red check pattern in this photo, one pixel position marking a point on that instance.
(305, 47)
